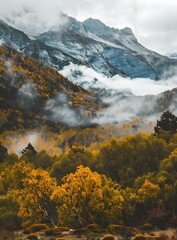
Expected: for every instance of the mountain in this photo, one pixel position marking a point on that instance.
(125, 107)
(172, 55)
(11, 35)
(91, 43)
(34, 95)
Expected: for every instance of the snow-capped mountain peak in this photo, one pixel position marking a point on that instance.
(105, 49)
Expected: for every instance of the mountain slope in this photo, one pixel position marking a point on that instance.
(13, 36)
(92, 43)
(35, 95)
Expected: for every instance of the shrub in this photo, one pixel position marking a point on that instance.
(93, 226)
(108, 237)
(32, 236)
(140, 237)
(26, 224)
(117, 229)
(38, 227)
(27, 231)
(143, 237)
(53, 232)
(147, 227)
(92, 236)
(35, 228)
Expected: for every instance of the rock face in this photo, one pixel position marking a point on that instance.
(11, 35)
(107, 50)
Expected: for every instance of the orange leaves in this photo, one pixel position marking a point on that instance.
(37, 188)
(148, 192)
(88, 193)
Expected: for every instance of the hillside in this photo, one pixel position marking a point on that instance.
(34, 94)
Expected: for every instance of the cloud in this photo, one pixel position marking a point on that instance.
(28, 91)
(1, 42)
(19, 142)
(127, 98)
(27, 96)
(89, 78)
(61, 111)
(154, 22)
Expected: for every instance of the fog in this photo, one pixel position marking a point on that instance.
(127, 98)
(61, 111)
(89, 78)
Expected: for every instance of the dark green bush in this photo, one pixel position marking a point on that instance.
(93, 226)
(32, 236)
(35, 228)
(27, 231)
(108, 237)
(117, 229)
(147, 227)
(53, 232)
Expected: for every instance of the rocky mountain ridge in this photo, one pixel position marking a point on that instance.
(91, 43)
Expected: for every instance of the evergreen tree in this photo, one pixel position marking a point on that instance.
(29, 149)
(167, 122)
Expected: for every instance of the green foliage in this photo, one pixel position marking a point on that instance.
(117, 229)
(53, 232)
(168, 122)
(144, 165)
(147, 227)
(32, 236)
(93, 226)
(126, 159)
(69, 162)
(36, 228)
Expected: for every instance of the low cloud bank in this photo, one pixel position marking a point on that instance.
(128, 98)
(89, 78)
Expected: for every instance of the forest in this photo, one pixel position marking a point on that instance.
(63, 176)
(125, 187)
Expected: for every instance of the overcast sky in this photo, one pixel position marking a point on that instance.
(154, 22)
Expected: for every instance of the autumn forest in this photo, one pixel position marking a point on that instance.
(75, 178)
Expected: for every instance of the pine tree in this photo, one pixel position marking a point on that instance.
(167, 122)
(29, 149)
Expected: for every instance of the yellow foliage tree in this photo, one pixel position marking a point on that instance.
(87, 196)
(149, 192)
(34, 198)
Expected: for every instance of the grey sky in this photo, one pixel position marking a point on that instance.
(154, 22)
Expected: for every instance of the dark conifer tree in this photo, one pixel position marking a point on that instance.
(167, 122)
